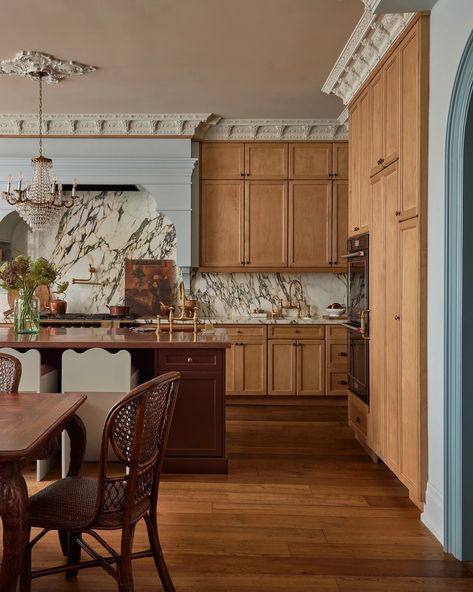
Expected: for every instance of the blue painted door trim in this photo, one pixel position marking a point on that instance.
(453, 405)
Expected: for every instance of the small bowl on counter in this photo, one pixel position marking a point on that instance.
(334, 312)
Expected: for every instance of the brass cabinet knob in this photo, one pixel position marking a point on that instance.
(397, 317)
(297, 331)
(239, 331)
(356, 228)
(397, 212)
(189, 360)
(358, 419)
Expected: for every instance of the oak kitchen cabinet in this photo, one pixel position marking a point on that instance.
(246, 362)
(394, 426)
(359, 165)
(296, 360)
(286, 360)
(265, 221)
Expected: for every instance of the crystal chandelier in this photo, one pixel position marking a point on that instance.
(42, 203)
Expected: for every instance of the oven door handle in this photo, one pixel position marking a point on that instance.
(351, 255)
(363, 323)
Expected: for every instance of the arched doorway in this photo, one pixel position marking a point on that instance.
(459, 314)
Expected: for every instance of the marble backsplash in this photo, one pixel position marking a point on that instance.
(106, 228)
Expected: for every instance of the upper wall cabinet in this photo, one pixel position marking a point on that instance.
(266, 161)
(359, 163)
(223, 160)
(321, 160)
(385, 116)
(256, 218)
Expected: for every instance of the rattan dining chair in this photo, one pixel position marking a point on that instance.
(10, 373)
(137, 428)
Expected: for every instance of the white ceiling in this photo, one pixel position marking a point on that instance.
(236, 58)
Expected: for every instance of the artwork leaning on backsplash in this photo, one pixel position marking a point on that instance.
(148, 283)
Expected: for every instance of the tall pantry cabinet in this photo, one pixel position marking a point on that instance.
(388, 175)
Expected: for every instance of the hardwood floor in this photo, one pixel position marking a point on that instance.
(303, 509)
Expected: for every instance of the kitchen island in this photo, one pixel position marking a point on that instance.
(197, 439)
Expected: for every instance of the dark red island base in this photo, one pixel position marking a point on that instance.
(197, 440)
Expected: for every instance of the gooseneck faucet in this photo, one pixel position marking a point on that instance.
(291, 285)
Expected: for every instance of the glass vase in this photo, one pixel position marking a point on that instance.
(26, 313)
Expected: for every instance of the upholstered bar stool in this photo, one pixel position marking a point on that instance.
(105, 377)
(36, 378)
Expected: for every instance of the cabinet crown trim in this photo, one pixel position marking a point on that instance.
(372, 37)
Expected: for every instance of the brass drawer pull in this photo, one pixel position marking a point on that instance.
(342, 382)
(189, 360)
(342, 354)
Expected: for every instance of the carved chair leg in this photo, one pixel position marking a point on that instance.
(125, 574)
(152, 525)
(73, 555)
(25, 574)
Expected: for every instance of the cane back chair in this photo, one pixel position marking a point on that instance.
(137, 428)
(10, 373)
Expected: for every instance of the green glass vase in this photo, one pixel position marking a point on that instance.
(26, 313)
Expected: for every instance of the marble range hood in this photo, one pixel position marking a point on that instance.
(165, 168)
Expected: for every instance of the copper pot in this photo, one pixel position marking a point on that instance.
(165, 308)
(57, 307)
(118, 311)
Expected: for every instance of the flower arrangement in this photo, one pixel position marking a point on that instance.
(26, 275)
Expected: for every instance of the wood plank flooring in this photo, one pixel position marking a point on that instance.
(303, 509)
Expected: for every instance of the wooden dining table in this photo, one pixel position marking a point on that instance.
(30, 428)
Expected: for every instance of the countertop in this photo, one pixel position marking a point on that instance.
(263, 321)
(84, 337)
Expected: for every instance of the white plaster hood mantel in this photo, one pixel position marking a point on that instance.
(163, 168)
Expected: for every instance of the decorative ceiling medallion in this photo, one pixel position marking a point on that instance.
(373, 36)
(29, 63)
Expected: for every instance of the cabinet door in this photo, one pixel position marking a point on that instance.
(391, 186)
(222, 220)
(251, 368)
(340, 160)
(310, 160)
(391, 110)
(231, 369)
(364, 164)
(409, 362)
(376, 91)
(266, 160)
(266, 223)
(222, 160)
(282, 367)
(339, 223)
(310, 223)
(411, 122)
(377, 316)
(354, 156)
(311, 367)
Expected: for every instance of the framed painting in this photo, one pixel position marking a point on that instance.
(147, 283)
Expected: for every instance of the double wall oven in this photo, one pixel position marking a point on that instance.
(358, 316)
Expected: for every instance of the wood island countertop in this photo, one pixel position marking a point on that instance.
(84, 337)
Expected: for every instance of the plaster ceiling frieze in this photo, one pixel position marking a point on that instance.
(29, 63)
(373, 36)
(277, 129)
(113, 124)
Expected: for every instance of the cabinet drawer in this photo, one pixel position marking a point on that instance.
(337, 383)
(296, 332)
(357, 414)
(190, 360)
(249, 331)
(336, 333)
(337, 354)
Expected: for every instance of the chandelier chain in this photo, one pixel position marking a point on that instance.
(41, 114)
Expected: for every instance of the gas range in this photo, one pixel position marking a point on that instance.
(86, 320)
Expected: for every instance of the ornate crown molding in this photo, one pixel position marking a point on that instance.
(29, 63)
(373, 36)
(106, 124)
(275, 129)
(188, 125)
